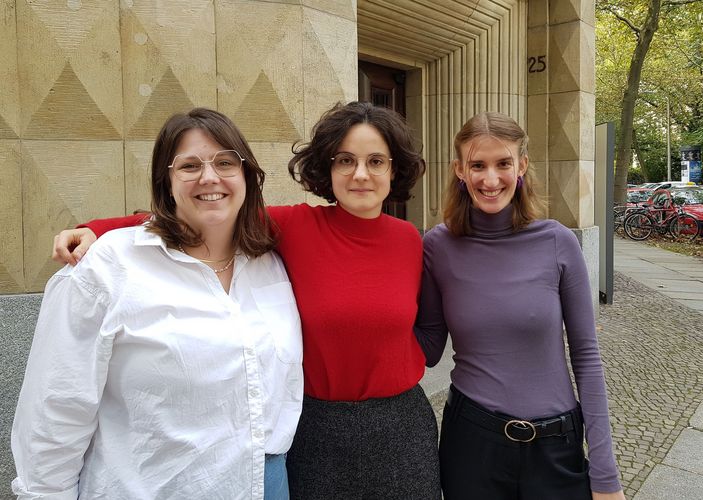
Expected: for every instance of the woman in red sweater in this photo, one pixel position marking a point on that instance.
(367, 429)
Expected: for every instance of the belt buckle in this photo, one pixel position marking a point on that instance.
(521, 424)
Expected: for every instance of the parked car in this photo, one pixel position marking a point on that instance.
(635, 196)
(667, 184)
(690, 197)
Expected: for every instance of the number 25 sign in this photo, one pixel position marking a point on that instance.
(536, 64)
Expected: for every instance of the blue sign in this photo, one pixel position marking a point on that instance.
(694, 172)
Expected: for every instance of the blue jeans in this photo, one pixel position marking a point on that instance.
(275, 478)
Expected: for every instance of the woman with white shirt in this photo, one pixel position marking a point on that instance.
(168, 363)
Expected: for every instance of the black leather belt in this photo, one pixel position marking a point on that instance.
(514, 429)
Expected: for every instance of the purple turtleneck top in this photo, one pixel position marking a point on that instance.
(504, 298)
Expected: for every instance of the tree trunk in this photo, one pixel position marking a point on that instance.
(638, 155)
(623, 152)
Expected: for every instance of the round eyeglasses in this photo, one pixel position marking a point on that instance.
(189, 166)
(347, 163)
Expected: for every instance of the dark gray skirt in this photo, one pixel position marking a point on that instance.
(383, 448)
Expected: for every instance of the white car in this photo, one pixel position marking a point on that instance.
(666, 185)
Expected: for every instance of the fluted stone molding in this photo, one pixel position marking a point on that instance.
(87, 85)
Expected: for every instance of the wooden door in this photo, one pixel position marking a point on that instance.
(384, 86)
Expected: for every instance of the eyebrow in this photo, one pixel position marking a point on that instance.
(507, 158)
(370, 154)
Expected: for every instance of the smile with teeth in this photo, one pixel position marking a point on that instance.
(490, 194)
(210, 196)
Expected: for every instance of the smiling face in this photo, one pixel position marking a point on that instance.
(210, 202)
(490, 168)
(362, 193)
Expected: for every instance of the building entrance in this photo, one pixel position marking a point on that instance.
(384, 86)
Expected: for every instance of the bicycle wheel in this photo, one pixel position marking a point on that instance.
(684, 226)
(619, 213)
(638, 226)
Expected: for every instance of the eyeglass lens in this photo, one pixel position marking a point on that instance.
(190, 166)
(346, 163)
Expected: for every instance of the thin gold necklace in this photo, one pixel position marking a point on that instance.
(217, 271)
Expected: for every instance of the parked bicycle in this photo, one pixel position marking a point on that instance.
(642, 222)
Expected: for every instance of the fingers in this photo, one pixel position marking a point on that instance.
(70, 245)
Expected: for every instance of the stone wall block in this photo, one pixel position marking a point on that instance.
(537, 13)
(279, 187)
(137, 173)
(565, 11)
(330, 62)
(72, 90)
(572, 57)
(260, 84)
(570, 191)
(11, 251)
(571, 126)
(64, 183)
(9, 96)
(538, 60)
(340, 8)
(538, 126)
(168, 62)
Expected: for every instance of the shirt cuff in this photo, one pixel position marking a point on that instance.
(19, 489)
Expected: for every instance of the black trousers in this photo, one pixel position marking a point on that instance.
(482, 464)
(379, 449)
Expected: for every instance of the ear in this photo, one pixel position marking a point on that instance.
(458, 170)
(524, 162)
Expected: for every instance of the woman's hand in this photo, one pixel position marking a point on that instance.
(618, 495)
(70, 245)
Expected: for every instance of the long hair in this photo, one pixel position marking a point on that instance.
(527, 205)
(311, 163)
(252, 235)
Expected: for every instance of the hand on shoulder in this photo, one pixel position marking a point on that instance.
(70, 245)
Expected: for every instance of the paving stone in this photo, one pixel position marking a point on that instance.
(669, 483)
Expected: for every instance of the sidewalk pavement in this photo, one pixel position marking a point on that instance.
(651, 341)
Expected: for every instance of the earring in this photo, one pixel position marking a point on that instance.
(520, 182)
(461, 184)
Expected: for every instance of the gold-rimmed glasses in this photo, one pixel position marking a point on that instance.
(346, 163)
(189, 166)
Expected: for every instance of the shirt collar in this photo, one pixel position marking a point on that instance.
(144, 238)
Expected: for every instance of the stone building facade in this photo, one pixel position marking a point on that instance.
(86, 84)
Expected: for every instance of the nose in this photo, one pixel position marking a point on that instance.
(361, 172)
(491, 177)
(208, 174)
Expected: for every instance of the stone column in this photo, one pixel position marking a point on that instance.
(561, 114)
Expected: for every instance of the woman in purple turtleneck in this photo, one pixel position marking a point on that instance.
(503, 284)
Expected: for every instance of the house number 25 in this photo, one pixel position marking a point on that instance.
(536, 64)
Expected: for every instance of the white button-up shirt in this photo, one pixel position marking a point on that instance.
(146, 380)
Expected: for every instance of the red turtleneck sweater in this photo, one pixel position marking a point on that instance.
(356, 282)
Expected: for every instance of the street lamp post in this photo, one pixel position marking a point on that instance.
(668, 140)
(668, 133)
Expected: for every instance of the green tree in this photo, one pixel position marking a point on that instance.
(628, 27)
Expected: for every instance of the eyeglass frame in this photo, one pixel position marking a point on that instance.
(356, 165)
(211, 162)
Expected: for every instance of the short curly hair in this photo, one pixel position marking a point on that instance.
(311, 163)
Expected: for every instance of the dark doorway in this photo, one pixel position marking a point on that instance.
(384, 86)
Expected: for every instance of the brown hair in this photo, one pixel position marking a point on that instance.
(311, 162)
(251, 230)
(527, 205)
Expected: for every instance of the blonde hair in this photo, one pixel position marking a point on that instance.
(527, 205)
